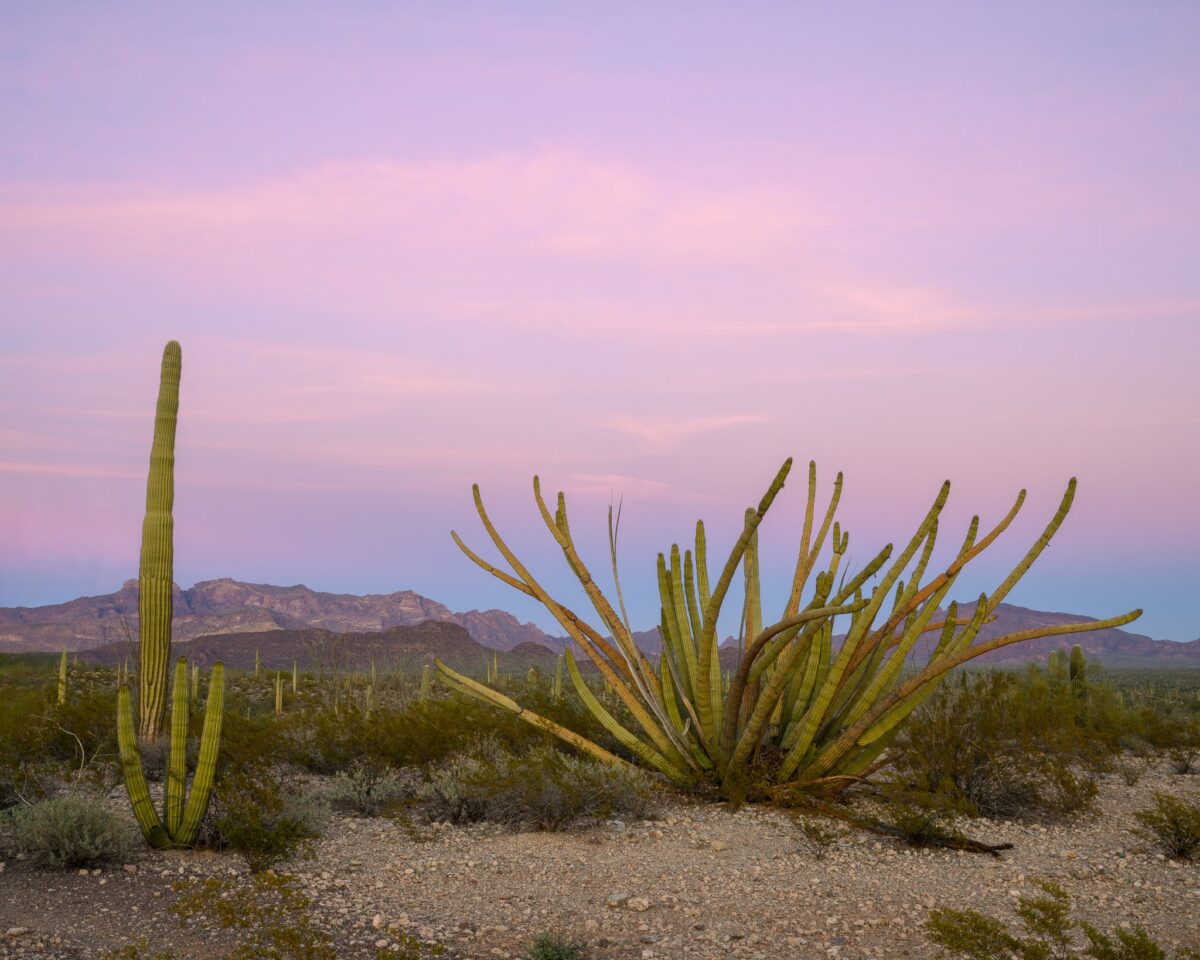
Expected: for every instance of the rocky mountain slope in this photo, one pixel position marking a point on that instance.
(215, 608)
(228, 606)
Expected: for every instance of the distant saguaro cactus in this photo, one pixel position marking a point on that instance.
(62, 679)
(156, 568)
(1077, 666)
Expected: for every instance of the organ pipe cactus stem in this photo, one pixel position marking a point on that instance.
(62, 679)
(826, 712)
(295, 678)
(183, 807)
(257, 664)
(195, 682)
(426, 682)
(278, 694)
(156, 566)
(558, 677)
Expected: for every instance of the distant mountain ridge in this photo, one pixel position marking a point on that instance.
(214, 608)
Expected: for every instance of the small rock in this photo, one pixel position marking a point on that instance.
(616, 900)
(718, 845)
(130, 868)
(640, 904)
(377, 921)
(16, 931)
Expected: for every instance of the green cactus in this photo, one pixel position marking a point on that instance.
(558, 678)
(257, 664)
(828, 713)
(62, 679)
(1056, 669)
(278, 694)
(195, 682)
(426, 683)
(156, 567)
(1077, 666)
(182, 808)
(295, 678)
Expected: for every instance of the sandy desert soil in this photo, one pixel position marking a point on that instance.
(700, 882)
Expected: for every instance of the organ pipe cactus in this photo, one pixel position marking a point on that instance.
(156, 567)
(809, 705)
(62, 679)
(426, 682)
(183, 808)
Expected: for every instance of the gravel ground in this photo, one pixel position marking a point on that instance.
(700, 882)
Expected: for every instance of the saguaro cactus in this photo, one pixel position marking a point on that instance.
(62, 679)
(156, 569)
(825, 713)
(182, 808)
(1077, 665)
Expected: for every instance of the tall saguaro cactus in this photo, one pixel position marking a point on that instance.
(156, 569)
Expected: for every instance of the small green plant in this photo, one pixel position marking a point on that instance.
(140, 950)
(70, 832)
(548, 945)
(1048, 934)
(269, 912)
(818, 838)
(1174, 824)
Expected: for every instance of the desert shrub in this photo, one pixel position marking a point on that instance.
(368, 786)
(550, 790)
(1130, 771)
(1174, 824)
(544, 788)
(1048, 934)
(70, 831)
(255, 812)
(817, 838)
(1184, 759)
(1006, 745)
(458, 791)
(555, 946)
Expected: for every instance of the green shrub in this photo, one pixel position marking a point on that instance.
(138, 951)
(1048, 930)
(254, 812)
(70, 832)
(543, 788)
(369, 787)
(1174, 824)
(1007, 745)
(551, 790)
(1184, 759)
(555, 946)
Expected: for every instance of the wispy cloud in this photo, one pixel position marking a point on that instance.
(667, 431)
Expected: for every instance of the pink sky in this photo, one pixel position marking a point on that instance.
(639, 253)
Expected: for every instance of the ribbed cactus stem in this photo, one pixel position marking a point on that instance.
(195, 683)
(425, 683)
(176, 783)
(558, 677)
(257, 664)
(1077, 665)
(156, 567)
(62, 679)
(295, 678)
(181, 818)
(278, 694)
